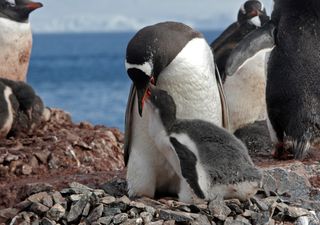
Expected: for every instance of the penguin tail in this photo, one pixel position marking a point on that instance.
(302, 145)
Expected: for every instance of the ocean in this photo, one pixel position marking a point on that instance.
(84, 74)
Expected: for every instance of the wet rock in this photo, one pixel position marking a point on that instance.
(56, 212)
(219, 209)
(120, 218)
(95, 214)
(176, 216)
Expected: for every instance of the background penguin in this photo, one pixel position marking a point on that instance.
(211, 163)
(292, 92)
(177, 59)
(8, 107)
(252, 14)
(15, 37)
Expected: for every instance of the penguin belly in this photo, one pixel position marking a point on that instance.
(245, 92)
(6, 113)
(15, 44)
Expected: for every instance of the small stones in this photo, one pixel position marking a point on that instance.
(38, 208)
(107, 200)
(95, 214)
(77, 208)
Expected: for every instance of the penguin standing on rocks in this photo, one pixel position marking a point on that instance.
(210, 162)
(175, 58)
(15, 37)
(252, 15)
(292, 92)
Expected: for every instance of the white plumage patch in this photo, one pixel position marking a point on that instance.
(9, 120)
(146, 67)
(255, 21)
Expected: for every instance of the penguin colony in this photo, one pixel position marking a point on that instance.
(176, 141)
(21, 110)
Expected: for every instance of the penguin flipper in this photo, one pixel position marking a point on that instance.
(262, 38)
(128, 123)
(224, 105)
(219, 41)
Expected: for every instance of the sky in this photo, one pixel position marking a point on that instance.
(132, 15)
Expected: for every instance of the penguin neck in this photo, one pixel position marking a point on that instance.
(190, 80)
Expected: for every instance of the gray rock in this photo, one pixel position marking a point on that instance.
(95, 214)
(150, 210)
(26, 169)
(99, 192)
(284, 182)
(58, 199)
(43, 156)
(133, 212)
(75, 197)
(293, 212)
(116, 187)
(235, 206)
(77, 185)
(107, 211)
(38, 197)
(107, 200)
(138, 205)
(201, 220)
(147, 217)
(86, 209)
(39, 208)
(261, 205)
(47, 201)
(46, 221)
(242, 220)
(120, 218)
(169, 222)
(105, 220)
(56, 212)
(124, 199)
(172, 215)
(137, 221)
(159, 222)
(9, 213)
(312, 219)
(23, 205)
(77, 208)
(219, 209)
(261, 218)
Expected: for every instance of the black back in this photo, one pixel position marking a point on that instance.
(293, 94)
(159, 44)
(19, 11)
(228, 40)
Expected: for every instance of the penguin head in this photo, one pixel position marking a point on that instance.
(163, 104)
(18, 10)
(253, 12)
(151, 50)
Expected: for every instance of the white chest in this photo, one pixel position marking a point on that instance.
(15, 45)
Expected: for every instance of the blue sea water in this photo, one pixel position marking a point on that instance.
(84, 74)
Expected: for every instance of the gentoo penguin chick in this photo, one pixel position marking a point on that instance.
(15, 37)
(23, 124)
(7, 110)
(292, 92)
(252, 14)
(210, 162)
(175, 58)
(24, 93)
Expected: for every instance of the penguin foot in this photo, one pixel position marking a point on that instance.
(282, 152)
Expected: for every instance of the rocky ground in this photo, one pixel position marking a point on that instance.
(69, 173)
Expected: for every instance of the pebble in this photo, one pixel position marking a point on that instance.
(219, 209)
(56, 212)
(120, 218)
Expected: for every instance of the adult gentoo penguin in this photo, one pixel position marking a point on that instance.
(292, 93)
(15, 37)
(245, 89)
(175, 58)
(252, 14)
(211, 163)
